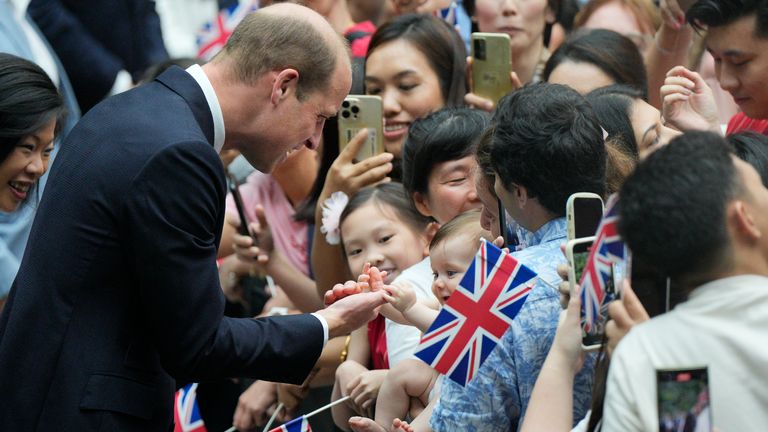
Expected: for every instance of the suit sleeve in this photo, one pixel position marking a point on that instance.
(172, 218)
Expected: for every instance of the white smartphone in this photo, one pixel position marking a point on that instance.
(583, 211)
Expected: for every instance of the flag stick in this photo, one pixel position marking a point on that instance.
(319, 410)
(274, 415)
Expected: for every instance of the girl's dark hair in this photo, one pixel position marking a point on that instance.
(441, 45)
(613, 107)
(752, 148)
(393, 195)
(616, 55)
(28, 101)
(445, 135)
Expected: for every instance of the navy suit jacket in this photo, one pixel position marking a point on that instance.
(118, 291)
(95, 39)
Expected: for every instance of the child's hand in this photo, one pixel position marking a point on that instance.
(401, 296)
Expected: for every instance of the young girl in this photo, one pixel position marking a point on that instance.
(413, 383)
(378, 226)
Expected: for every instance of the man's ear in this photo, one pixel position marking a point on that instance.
(421, 203)
(284, 85)
(520, 196)
(742, 220)
(429, 233)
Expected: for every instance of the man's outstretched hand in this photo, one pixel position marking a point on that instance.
(371, 279)
(351, 312)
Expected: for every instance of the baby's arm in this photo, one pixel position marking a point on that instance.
(418, 313)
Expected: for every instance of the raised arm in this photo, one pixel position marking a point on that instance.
(348, 176)
(670, 48)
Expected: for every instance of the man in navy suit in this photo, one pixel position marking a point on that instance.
(118, 292)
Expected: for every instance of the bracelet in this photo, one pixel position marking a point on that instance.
(345, 350)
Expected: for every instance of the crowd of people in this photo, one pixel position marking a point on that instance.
(128, 272)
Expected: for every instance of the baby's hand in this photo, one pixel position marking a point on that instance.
(371, 279)
(401, 296)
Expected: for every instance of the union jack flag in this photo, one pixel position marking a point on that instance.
(299, 424)
(214, 34)
(476, 315)
(608, 253)
(186, 414)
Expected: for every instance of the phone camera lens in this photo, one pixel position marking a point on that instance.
(345, 104)
(479, 47)
(345, 114)
(355, 109)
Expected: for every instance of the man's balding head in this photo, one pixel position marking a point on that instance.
(286, 35)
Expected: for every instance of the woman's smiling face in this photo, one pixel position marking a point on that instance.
(24, 165)
(409, 88)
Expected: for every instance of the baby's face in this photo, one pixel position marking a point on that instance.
(450, 259)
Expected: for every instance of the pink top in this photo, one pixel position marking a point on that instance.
(290, 237)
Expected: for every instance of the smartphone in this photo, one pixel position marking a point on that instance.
(491, 65)
(244, 222)
(583, 212)
(503, 229)
(359, 112)
(577, 252)
(683, 400)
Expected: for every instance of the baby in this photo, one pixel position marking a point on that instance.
(412, 384)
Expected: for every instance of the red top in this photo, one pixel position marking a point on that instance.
(740, 122)
(359, 36)
(378, 341)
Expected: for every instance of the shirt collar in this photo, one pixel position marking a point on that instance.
(213, 102)
(20, 7)
(550, 231)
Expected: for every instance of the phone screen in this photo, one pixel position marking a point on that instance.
(593, 336)
(587, 213)
(580, 255)
(683, 397)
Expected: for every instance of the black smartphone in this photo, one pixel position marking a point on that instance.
(244, 222)
(503, 229)
(683, 398)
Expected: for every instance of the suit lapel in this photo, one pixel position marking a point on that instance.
(182, 83)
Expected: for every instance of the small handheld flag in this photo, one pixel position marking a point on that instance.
(186, 414)
(597, 281)
(476, 315)
(299, 424)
